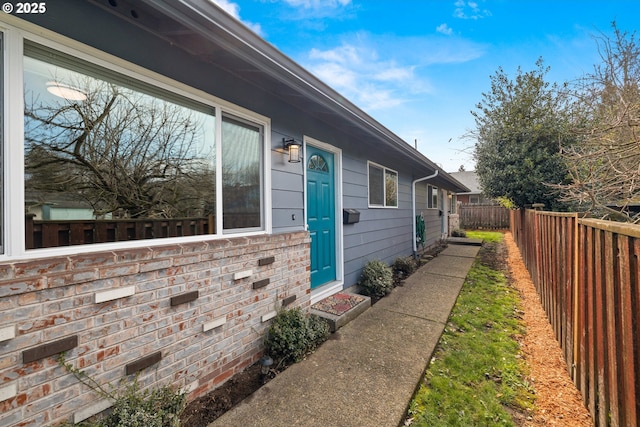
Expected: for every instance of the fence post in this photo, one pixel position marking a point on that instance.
(576, 303)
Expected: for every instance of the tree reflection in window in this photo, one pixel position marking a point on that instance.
(317, 163)
(131, 160)
(106, 148)
(241, 173)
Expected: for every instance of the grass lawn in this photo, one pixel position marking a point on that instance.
(477, 377)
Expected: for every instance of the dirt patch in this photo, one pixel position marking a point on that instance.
(203, 410)
(558, 401)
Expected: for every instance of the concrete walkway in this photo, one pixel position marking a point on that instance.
(367, 372)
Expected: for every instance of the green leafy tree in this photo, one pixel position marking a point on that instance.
(520, 126)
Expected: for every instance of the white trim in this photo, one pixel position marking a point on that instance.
(430, 199)
(337, 285)
(384, 187)
(13, 143)
(15, 32)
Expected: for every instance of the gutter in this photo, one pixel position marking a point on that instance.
(413, 208)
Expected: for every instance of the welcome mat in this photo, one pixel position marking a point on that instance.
(338, 304)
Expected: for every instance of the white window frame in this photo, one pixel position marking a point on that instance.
(431, 192)
(384, 187)
(15, 31)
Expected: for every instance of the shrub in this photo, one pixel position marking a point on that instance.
(293, 334)
(132, 407)
(405, 265)
(376, 279)
(458, 233)
(159, 407)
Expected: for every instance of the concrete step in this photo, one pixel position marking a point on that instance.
(464, 241)
(341, 308)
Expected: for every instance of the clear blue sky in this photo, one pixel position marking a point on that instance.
(420, 66)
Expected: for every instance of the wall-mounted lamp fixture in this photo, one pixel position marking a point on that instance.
(294, 149)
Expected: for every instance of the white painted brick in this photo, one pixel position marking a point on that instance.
(214, 324)
(242, 274)
(117, 293)
(91, 410)
(7, 333)
(269, 316)
(8, 392)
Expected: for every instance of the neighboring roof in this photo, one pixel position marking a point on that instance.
(469, 179)
(205, 30)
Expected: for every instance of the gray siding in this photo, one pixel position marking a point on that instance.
(382, 233)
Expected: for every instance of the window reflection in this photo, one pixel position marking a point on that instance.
(241, 174)
(100, 146)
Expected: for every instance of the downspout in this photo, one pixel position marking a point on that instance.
(413, 208)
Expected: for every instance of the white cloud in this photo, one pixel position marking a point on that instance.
(444, 29)
(377, 72)
(469, 10)
(318, 4)
(356, 70)
(233, 9)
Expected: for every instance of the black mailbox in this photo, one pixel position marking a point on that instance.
(350, 216)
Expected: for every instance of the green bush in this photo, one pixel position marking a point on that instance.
(293, 334)
(458, 233)
(405, 265)
(132, 407)
(376, 279)
(159, 407)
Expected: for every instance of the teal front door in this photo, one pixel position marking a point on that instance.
(321, 215)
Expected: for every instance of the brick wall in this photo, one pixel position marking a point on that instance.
(196, 313)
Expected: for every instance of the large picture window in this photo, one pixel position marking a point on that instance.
(383, 186)
(111, 158)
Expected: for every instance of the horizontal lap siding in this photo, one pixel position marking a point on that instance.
(382, 233)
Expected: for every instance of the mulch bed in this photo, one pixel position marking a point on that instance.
(205, 409)
(558, 401)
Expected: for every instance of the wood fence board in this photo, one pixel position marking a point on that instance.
(602, 409)
(483, 216)
(612, 326)
(627, 371)
(591, 328)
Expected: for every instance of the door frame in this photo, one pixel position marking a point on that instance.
(337, 285)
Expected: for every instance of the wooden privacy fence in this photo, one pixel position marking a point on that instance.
(54, 233)
(587, 274)
(473, 217)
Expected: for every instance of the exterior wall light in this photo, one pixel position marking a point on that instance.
(265, 367)
(294, 148)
